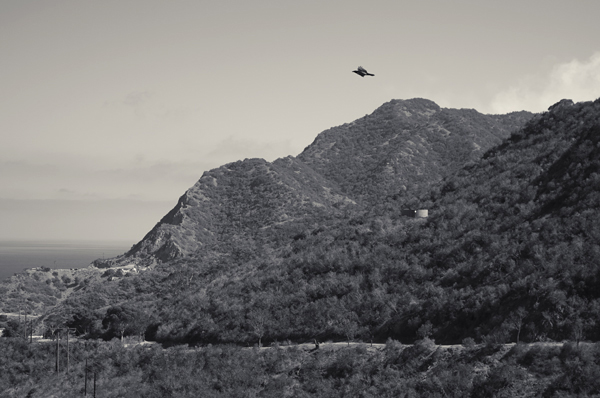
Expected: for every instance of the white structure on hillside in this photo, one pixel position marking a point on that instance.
(421, 213)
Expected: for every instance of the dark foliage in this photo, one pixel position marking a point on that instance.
(258, 253)
(509, 253)
(422, 370)
(504, 256)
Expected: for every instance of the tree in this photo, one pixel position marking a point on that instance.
(116, 320)
(515, 321)
(14, 328)
(350, 329)
(425, 330)
(124, 320)
(579, 326)
(83, 322)
(257, 320)
(347, 325)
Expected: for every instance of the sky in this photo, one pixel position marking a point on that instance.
(110, 110)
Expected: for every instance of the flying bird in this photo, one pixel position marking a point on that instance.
(362, 72)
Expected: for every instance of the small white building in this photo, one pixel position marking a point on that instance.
(421, 213)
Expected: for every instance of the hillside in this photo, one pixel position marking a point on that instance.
(398, 151)
(510, 252)
(241, 199)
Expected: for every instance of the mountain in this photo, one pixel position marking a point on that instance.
(510, 251)
(402, 148)
(251, 211)
(292, 250)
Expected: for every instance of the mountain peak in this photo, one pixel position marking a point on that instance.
(414, 110)
(563, 103)
(416, 105)
(405, 142)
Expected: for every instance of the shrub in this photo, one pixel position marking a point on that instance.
(425, 344)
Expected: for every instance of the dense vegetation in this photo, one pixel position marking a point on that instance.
(402, 148)
(36, 289)
(422, 370)
(510, 253)
(405, 145)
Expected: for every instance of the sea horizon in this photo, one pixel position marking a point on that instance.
(17, 255)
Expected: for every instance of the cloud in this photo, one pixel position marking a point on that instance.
(576, 80)
(137, 98)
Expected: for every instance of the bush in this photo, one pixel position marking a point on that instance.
(425, 344)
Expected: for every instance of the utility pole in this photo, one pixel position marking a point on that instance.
(57, 350)
(86, 377)
(19, 330)
(86, 369)
(67, 351)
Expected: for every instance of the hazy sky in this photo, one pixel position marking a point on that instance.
(110, 110)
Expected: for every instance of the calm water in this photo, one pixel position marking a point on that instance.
(15, 256)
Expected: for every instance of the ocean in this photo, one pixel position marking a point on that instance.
(15, 256)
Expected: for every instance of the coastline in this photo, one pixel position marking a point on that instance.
(18, 255)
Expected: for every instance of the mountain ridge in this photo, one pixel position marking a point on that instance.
(402, 148)
(413, 131)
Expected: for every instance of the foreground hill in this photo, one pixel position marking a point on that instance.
(422, 370)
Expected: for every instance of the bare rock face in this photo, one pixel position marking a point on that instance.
(564, 103)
